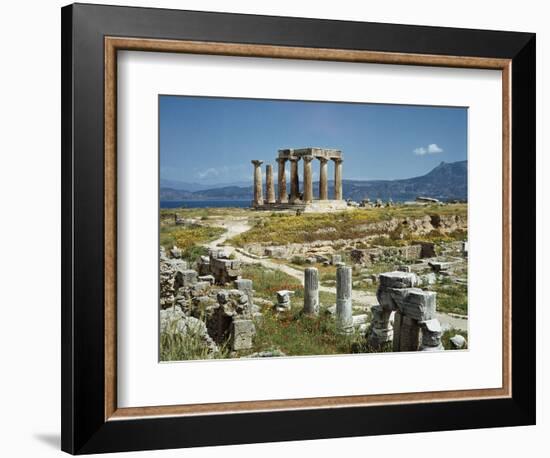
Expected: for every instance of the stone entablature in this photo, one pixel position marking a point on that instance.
(317, 153)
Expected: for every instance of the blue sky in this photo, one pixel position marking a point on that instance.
(212, 140)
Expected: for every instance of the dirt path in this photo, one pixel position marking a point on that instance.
(233, 227)
(239, 225)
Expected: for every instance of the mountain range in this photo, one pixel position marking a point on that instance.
(447, 181)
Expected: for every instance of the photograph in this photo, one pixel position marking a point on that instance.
(310, 228)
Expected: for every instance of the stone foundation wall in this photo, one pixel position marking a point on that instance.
(417, 226)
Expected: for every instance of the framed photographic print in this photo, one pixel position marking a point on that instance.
(271, 222)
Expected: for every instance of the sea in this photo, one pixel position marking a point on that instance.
(205, 203)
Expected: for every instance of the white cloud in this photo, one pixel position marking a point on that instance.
(432, 148)
(211, 172)
(224, 173)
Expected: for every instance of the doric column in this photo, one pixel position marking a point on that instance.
(269, 185)
(344, 319)
(308, 184)
(311, 291)
(294, 183)
(323, 182)
(337, 179)
(258, 191)
(283, 196)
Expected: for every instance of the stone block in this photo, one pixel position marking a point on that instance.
(458, 341)
(207, 278)
(242, 334)
(428, 279)
(431, 335)
(385, 299)
(276, 252)
(397, 280)
(440, 266)
(175, 252)
(202, 301)
(186, 278)
(283, 300)
(200, 288)
(243, 284)
(409, 334)
(178, 264)
(419, 305)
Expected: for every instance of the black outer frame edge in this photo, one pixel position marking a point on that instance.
(83, 427)
(524, 216)
(67, 413)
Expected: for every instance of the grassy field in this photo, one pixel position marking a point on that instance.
(267, 282)
(178, 347)
(451, 297)
(295, 334)
(167, 214)
(281, 228)
(185, 237)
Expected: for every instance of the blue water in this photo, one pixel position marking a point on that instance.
(204, 203)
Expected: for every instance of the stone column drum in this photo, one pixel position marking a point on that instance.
(294, 183)
(311, 291)
(381, 330)
(258, 191)
(323, 181)
(269, 185)
(283, 196)
(337, 179)
(308, 184)
(344, 317)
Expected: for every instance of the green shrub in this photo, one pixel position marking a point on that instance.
(194, 252)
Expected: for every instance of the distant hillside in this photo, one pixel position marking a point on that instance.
(446, 181)
(192, 187)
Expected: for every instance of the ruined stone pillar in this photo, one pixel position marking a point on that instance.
(283, 196)
(408, 333)
(294, 180)
(381, 330)
(311, 291)
(308, 183)
(337, 179)
(344, 319)
(323, 181)
(270, 187)
(258, 191)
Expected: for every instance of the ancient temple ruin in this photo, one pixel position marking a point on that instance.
(299, 199)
